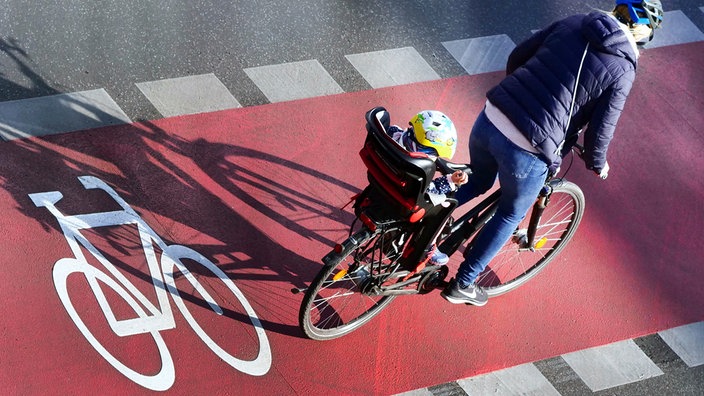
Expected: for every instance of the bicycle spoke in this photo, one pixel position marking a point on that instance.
(333, 307)
(514, 264)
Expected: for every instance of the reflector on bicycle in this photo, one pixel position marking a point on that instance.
(340, 275)
(368, 222)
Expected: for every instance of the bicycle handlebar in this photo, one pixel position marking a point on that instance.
(446, 167)
(604, 173)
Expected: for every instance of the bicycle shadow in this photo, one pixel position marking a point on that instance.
(192, 191)
(12, 90)
(204, 213)
(230, 168)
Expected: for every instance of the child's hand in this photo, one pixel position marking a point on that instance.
(459, 178)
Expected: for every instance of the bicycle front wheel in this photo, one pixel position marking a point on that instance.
(336, 303)
(514, 265)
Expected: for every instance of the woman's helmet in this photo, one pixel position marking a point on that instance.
(643, 12)
(434, 133)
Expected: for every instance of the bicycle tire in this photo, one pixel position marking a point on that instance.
(325, 314)
(171, 259)
(513, 266)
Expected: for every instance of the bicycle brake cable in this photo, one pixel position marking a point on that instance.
(567, 171)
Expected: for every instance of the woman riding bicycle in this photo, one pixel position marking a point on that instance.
(577, 72)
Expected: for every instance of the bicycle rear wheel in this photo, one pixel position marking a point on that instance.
(339, 299)
(514, 265)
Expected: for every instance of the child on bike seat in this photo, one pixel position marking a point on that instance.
(433, 133)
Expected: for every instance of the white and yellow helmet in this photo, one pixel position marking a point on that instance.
(435, 133)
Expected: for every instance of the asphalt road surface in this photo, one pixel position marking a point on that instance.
(137, 53)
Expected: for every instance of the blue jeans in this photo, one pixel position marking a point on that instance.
(521, 176)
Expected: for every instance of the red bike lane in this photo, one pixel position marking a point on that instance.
(257, 192)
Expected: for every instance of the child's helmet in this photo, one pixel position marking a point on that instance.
(644, 12)
(435, 133)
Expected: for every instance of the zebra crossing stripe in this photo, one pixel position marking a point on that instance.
(392, 67)
(188, 95)
(676, 29)
(60, 113)
(612, 365)
(481, 54)
(525, 379)
(292, 81)
(687, 341)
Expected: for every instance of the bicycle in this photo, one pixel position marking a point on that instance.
(150, 319)
(395, 224)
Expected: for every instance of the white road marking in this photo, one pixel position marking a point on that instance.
(687, 342)
(48, 115)
(292, 81)
(188, 95)
(481, 54)
(676, 29)
(525, 379)
(611, 365)
(392, 67)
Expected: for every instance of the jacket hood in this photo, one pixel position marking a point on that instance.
(604, 33)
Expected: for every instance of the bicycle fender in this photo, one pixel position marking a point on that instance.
(350, 243)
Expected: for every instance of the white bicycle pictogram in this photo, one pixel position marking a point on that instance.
(150, 319)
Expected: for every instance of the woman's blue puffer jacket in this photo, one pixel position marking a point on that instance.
(537, 92)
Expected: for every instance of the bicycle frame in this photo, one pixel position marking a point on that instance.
(469, 223)
(409, 267)
(463, 228)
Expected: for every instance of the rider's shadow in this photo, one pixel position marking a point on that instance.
(264, 219)
(223, 222)
(259, 210)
